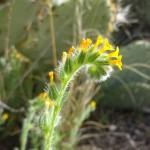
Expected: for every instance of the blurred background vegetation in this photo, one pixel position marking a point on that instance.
(33, 35)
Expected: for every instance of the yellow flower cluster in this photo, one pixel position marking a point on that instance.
(101, 45)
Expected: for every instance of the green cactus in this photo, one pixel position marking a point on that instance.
(132, 85)
(31, 35)
(27, 27)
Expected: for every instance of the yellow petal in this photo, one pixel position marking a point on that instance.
(5, 116)
(82, 43)
(114, 54)
(51, 76)
(70, 51)
(93, 104)
(64, 56)
(48, 102)
(99, 41)
(106, 47)
(117, 62)
(42, 95)
(85, 44)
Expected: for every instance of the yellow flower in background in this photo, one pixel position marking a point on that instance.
(114, 54)
(117, 62)
(42, 95)
(5, 116)
(18, 56)
(99, 41)
(93, 104)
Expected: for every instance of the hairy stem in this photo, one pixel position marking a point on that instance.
(26, 128)
(63, 89)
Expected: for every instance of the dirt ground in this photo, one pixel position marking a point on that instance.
(116, 130)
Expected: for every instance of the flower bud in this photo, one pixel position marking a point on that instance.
(81, 57)
(53, 92)
(68, 66)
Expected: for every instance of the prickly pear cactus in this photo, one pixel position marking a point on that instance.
(30, 25)
(131, 87)
(27, 25)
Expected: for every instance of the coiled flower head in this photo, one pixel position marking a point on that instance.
(98, 58)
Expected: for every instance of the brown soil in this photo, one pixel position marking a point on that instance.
(116, 130)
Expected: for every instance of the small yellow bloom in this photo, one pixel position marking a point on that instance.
(106, 47)
(117, 62)
(51, 76)
(42, 95)
(48, 102)
(70, 51)
(82, 44)
(85, 44)
(64, 56)
(93, 104)
(5, 116)
(98, 42)
(18, 56)
(114, 54)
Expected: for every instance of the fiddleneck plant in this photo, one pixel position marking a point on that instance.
(96, 59)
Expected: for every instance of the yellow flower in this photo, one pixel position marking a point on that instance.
(51, 76)
(106, 47)
(82, 44)
(64, 56)
(48, 102)
(70, 51)
(42, 95)
(114, 54)
(98, 42)
(18, 56)
(117, 62)
(93, 104)
(5, 116)
(85, 44)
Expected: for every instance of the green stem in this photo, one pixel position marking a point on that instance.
(50, 133)
(57, 109)
(26, 128)
(64, 86)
